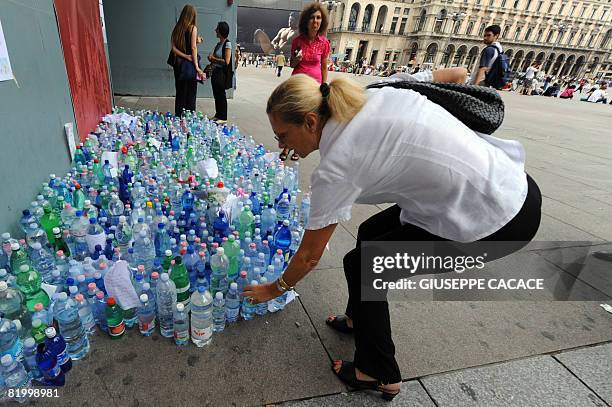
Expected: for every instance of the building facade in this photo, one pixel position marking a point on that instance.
(568, 37)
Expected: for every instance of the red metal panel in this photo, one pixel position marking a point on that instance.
(81, 34)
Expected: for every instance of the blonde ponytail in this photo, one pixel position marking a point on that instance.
(301, 94)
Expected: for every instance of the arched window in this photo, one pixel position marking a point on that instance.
(549, 36)
(540, 32)
(367, 17)
(606, 39)
(440, 18)
(470, 28)
(517, 33)
(380, 20)
(456, 27)
(528, 35)
(482, 28)
(352, 24)
(432, 50)
(422, 20)
(506, 31)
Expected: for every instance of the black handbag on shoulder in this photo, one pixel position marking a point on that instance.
(479, 108)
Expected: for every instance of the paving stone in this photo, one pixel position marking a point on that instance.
(539, 381)
(592, 365)
(411, 395)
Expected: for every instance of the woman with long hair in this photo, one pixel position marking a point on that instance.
(448, 182)
(184, 47)
(221, 59)
(310, 49)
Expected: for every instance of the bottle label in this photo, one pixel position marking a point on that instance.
(181, 336)
(116, 330)
(182, 290)
(199, 333)
(53, 372)
(62, 357)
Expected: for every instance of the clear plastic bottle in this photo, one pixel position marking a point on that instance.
(12, 304)
(146, 316)
(201, 317)
(232, 303)
(219, 263)
(166, 301)
(218, 313)
(29, 354)
(10, 344)
(100, 311)
(181, 325)
(66, 313)
(248, 309)
(15, 377)
(262, 307)
(86, 314)
(42, 261)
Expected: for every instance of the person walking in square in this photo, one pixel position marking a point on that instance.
(280, 63)
(310, 49)
(488, 56)
(185, 51)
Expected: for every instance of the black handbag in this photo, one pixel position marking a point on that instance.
(187, 70)
(479, 108)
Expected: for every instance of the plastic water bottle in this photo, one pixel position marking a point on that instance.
(58, 347)
(48, 366)
(15, 377)
(146, 316)
(114, 319)
(180, 277)
(283, 208)
(10, 344)
(262, 307)
(85, 314)
(232, 303)
(278, 303)
(305, 209)
(42, 261)
(181, 325)
(99, 308)
(38, 330)
(29, 355)
(248, 308)
(219, 263)
(78, 231)
(66, 313)
(162, 241)
(12, 304)
(242, 282)
(201, 317)
(123, 234)
(166, 301)
(41, 313)
(219, 312)
(282, 240)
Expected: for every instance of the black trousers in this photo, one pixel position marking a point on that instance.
(186, 93)
(374, 347)
(278, 70)
(218, 88)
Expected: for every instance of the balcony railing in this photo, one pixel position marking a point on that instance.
(359, 30)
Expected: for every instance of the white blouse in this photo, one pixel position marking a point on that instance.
(402, 148)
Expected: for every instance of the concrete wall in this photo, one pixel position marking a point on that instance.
(33, 110)
(139, 32)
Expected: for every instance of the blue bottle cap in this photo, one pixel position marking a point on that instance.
(201, 289)
(92, 221)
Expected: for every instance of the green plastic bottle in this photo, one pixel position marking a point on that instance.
(59, 243)
(180, 277)
(28, 281)
(78, 198)
(247, 220)
(48, 222)
(114, 319)
(18, 258)
(38, 331)
(167, 262)
(232, 250)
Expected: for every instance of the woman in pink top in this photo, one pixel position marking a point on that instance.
(310, 50)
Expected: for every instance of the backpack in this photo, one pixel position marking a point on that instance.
(499, 73)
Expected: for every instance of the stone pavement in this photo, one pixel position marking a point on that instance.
(520, 353)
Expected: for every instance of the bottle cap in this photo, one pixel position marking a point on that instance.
(3, 285)
(38, 307)
(219, 295)
(201, 289)
(121, 219)
(165, 277)
(263, 280)
(220, 251)
(91, 286)
(6, 360)
(168, 253)
(146, 286)
(179, 307)
(29, 342)
(62, 296)
(14, 246)
(141, 267)
(155, 275)
(243, 274)
(79, 297)
(254, 282)
(111, 301)
(144, 298)
(99, 295)
(50, 332)
(233, 286)
(36, 323)
(24, 268)
(56, 230)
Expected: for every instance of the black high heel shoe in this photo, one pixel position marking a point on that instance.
(347, 375)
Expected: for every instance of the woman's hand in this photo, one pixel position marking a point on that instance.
(200, 39)
(211, 57)
(200, 72)
(261, 293)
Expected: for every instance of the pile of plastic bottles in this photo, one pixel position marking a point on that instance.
(190, 214)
